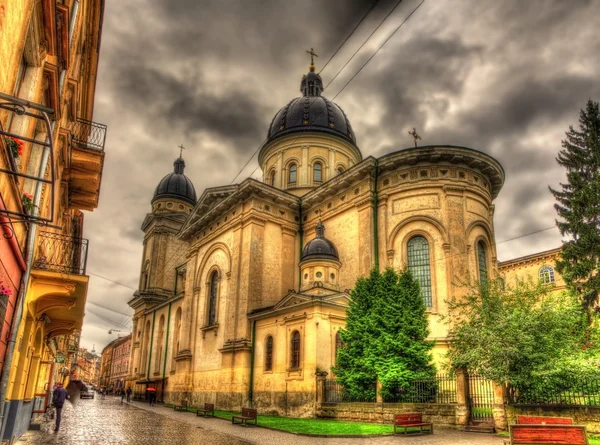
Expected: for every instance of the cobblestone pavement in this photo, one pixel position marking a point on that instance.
(107, 422)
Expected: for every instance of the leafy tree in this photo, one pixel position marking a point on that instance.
(384, 338)
(513, 333)
(579, 207)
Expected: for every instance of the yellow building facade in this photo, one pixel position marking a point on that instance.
(49, 51)
(244, 289)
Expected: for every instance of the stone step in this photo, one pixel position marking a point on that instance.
(487, 429)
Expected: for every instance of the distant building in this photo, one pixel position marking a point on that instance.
(538, 266)
(120, 362)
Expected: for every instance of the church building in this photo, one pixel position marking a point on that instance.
(243, 290)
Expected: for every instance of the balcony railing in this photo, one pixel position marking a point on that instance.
(61, 253)
(88, 134)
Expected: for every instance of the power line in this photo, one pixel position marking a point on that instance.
(107, 308)
(350, 35)
(112, 281)
(527, 234)
(108, 320)
(364, 43)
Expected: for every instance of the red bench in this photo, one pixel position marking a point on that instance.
(539, 420)
(248, 414)
(208, 410)
(548, 434)
(411, 420)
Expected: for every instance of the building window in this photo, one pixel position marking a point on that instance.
(419, 265)
(546, 274)
(212, 304)
(483, 275)
(338, 344)
(318, 172)
(292, 174)
(272, 178)
(295, 351)
(269, 354)
(340, 170)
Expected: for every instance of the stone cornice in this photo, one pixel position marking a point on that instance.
(529, 259)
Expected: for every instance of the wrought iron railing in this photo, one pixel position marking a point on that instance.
(88, 134)
(584, 392)
(335, 392)
(438, 389)
(61, 253)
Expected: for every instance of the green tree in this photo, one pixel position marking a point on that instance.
(511, 333)
(579, 207)
(384, 338)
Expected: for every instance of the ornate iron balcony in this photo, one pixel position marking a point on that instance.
(89, 135)
(61, 253)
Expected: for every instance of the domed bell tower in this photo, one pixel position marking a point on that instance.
(320, 262)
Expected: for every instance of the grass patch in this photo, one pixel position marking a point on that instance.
(594, 440)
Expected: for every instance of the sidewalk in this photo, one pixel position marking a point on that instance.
(262, 436)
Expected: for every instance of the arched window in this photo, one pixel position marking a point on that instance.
(295, 351)
(146, 347)
(292, 174)
(317, 172)
(212, 303)
(269, 354)
(481, 261)
(159, 344)
(340, 170)
(419, 265)
(338, 344)
(176, 335)
(272, 178)
(546, 274)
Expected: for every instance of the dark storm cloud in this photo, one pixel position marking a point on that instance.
(506, 78)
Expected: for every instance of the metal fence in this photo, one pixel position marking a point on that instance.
(336, 393)
(61, 253)
(581, 393)
(438, 389)
(88, 134)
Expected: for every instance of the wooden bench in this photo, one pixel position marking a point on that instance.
(209, 409)
(248, 414)
(548, 434)
(412, 420)
(540, 420)
(181, 406)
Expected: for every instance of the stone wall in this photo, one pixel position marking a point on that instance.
(441, 415)
(582, 415)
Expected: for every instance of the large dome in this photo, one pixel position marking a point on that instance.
(311, 112)
(320, 247)
(176, 185)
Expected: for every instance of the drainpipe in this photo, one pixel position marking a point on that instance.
(73, 20)
(151, 342)
(375, 220)
(301, 233)
(251, 391)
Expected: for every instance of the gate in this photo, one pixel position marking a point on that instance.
(42, 387)
(480, 399)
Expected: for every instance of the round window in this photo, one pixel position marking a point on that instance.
(332, 276)
(306, 276)
(319, 274)
(169, 205)
(181, 207)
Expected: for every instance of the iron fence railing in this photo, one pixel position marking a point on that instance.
(61, 253)
(438, 389)
(335, 392)
(585, 392)
(88, 134)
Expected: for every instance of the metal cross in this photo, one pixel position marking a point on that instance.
(181, 150)
(415, 135)
(312, 55)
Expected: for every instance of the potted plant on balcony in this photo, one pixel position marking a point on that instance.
(27, 201)
(16, 147)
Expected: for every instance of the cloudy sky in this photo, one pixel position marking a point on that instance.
(506, 78)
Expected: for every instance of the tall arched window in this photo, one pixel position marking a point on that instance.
(160, 341)
(272, 178)
(338, 344)
(212, 303)
(481, 261)
(317, 172)
(176, 335)
(546, 274)
(419, 265)
(269, 354)
(340, 170)
(292, 174)
(146, 347)
(295, 351)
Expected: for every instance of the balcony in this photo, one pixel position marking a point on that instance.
(87, 162)
(61, 253)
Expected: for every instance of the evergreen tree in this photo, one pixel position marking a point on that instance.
(579, 207)
(384, 338)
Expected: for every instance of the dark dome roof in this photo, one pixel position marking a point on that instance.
(311, 112)
(176, 185)
(320, 247)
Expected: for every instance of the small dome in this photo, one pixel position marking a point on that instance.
(311, 112)
(176, 185)
(320, 247)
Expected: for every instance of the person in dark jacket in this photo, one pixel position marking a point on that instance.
(128, 395)
(58, 400)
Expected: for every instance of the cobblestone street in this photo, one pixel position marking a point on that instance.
(107, 422)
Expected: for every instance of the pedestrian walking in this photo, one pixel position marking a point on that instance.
(128, 392)
(122, 395)
(151, 396)
(58, 401)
